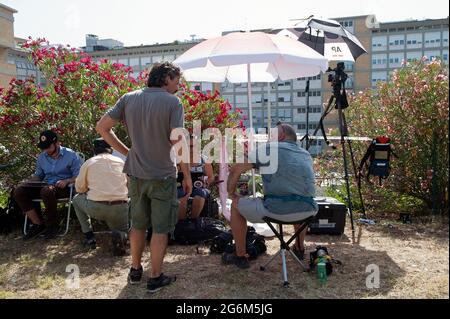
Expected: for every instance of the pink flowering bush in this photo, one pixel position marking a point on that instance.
(211, 109)
(78, 92)
(412, 109)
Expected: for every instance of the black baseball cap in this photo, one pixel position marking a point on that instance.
(101, 143)
(46, 139)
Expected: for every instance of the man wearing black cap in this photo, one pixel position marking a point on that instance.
(103, 195)
(56, 168)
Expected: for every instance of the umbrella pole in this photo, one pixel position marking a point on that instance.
(249, 100)
(306, 137)
(269, 110)
(307, 113)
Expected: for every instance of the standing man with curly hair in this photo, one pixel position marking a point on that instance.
(150, 116)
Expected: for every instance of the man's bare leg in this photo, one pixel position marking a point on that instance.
(34, 217)
(182, 209)
(197, 206)
(239, 229)
(137, 245)
(158, 249)
(300, 241)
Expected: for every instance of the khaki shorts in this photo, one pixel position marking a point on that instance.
(154, 204)
(253, 210)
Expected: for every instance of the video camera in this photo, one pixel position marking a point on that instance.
(337, 80)
(339, 76)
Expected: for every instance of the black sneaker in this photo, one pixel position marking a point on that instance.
(156, 284)
(135, 276)
(90, 243)
(34, 231)
(118, 243)
(232, 259)
(299, 253)
(51, 232)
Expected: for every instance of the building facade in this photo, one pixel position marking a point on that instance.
(7, 69)
(93, 43)
(387, 44)
(143, 57)
(395, 42)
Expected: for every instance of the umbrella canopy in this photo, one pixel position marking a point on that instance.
(269, 56)
(328, 38)
(249, 57)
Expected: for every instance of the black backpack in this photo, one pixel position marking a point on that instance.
(256, 244)
(211, 208)
(197, 231)
(11, 217)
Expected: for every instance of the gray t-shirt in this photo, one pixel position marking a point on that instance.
(294, 176)
(150, 115)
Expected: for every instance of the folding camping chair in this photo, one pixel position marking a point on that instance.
(60, 201)
(284, 246)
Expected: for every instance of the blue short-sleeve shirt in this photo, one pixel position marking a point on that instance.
(51, 170)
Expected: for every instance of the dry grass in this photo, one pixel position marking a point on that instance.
(413, 262)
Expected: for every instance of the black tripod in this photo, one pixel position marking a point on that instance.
(340, 98)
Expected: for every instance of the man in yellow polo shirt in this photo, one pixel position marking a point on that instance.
(103, 195)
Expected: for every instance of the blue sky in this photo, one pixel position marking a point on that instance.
(136, 22)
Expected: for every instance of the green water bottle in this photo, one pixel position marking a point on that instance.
(322, 272)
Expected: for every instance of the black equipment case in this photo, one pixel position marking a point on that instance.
(330, 219)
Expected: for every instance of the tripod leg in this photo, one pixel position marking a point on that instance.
(263, 268)
(347, 182)
(358, 180)
(320, 126)
(298, 260)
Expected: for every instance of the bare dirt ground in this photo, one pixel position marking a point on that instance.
(413, 261)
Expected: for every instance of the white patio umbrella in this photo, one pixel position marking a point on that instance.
(241, 57)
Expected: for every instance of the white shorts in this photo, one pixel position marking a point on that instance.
(254, 211)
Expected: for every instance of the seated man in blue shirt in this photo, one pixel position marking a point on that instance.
(289, 188)
(57, 167)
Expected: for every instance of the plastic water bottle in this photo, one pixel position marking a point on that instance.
(322, 272)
